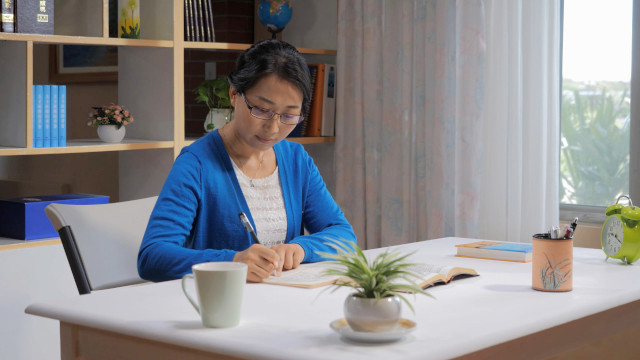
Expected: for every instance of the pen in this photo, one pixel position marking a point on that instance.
(574, 224)
(247, 225)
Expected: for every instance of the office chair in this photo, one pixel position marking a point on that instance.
(102, 241)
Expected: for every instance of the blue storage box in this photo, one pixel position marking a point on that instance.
(24, 218)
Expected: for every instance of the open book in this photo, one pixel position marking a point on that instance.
(312, 275)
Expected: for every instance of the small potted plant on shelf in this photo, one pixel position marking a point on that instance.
(215, 94)
(379, 285)
(110, 121)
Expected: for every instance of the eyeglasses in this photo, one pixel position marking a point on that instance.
(265, 114)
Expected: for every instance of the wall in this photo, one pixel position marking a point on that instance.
(586, 235)
(28, 276)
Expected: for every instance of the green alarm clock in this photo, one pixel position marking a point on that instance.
(620, 237)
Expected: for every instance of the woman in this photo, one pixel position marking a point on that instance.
(246, 167)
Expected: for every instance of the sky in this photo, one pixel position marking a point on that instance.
(597, 40)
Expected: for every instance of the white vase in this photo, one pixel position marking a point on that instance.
(371, 315)
(110, 134)
(217, 118)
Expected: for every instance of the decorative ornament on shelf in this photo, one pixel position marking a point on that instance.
(275, 15)
(110, 121)
(215, 94)
(375, 305)
(129, 19)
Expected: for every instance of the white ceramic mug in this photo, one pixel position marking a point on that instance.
(220, 286)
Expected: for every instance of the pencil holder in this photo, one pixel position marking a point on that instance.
(552, 264)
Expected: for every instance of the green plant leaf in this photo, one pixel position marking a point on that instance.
(388, 274)
(214, 93)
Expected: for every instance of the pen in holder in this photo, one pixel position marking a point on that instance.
(552, 263)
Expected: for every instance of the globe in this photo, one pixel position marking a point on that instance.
(274, 14)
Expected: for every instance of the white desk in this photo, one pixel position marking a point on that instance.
(496, 313)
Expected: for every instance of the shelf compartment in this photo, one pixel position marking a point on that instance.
(88, 146)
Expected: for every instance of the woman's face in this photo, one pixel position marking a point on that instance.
(269, 93)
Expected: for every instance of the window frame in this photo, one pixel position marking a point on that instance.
(595, 214)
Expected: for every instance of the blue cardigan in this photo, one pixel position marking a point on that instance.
(195, 219)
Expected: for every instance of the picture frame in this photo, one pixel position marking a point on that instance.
(83, 64)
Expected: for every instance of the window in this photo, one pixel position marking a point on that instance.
(596, 106)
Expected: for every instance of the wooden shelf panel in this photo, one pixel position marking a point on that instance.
(15, 244)
(313, 140)
(89, 145)
(84, 40)
(240, 47)
(300, 140)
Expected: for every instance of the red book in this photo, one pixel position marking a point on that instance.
(314, 127)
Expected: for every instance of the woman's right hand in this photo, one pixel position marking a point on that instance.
(261, 262)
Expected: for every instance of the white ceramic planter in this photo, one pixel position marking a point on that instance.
(371, 315)
(110, 134)
(217, 118)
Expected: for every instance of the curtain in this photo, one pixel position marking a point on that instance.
(446, 120)
(521, 136)
(409, 118)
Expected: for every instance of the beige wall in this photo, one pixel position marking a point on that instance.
(586, 235)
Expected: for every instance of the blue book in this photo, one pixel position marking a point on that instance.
(33, 115)
(62, 115)
(38, 117)
(54, 115)
(24, 218)
(496, 250)
(46, 121)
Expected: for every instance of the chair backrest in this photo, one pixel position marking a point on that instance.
(102, 241)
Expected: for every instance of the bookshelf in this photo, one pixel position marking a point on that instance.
(157, 136)
(151, 71)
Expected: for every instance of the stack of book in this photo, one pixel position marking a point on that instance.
(320, 114)
(27, 16)
(496, 250)
(198, 21)
(49, 116)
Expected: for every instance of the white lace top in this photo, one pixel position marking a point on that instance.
(266, 205)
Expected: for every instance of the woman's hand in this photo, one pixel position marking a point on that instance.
(261, 262)
(291, 255)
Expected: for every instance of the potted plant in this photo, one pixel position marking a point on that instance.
(110, 121)
(215, 94)
(379, 286)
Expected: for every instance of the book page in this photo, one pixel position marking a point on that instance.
(428, 270)
(306, 275)
(431, 273)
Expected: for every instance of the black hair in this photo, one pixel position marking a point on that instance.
(271, 57)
